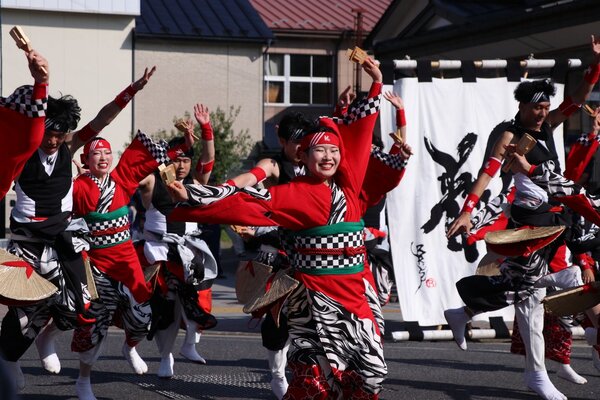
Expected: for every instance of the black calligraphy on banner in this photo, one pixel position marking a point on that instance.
(455, 186)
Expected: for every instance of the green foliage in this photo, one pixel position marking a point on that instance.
(230, 147)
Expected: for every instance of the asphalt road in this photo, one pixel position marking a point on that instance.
(237, 368)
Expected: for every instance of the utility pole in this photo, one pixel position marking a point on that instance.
(358, 30)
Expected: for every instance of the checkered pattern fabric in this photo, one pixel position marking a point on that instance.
(158, 150)
(324, 261)
(394, 161)
(108, 240)
(364, 108)
(21, 102)
(586, 139)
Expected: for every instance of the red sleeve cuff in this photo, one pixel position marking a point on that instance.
(532, 170)
(40, 91)
(375, 89)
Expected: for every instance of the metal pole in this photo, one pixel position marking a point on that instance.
(484, 64)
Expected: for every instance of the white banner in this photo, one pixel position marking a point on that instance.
(448, 125)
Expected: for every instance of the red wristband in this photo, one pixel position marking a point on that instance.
(531, 169)
(40, 91)
(492, 165)
(259, 174)
(230, 182)
(207, 131)
(400, 118)
(86, 133)
(205, 168)
(568, 106)
(592, 73)
(470, 203)
(125, 96)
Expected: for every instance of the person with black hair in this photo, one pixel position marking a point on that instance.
(187, 266)
(272, 171)
(100, 199)
(531, 207)
(42, 234)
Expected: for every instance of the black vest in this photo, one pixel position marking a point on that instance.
(539, 153)
(286, 168)
(47, 191)
(161, 200)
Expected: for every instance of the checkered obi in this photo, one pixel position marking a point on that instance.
(108, 229)
(330, 249)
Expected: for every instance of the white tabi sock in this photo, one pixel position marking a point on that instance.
(457, 319)
(567, 278)
(14, 370)
(192, 336)
(565, 371)
(165, 369)
(134, 359)
(45, 345)
(539, 382)
(277, 363)
(83, 387)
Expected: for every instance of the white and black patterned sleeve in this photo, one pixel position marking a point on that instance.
(26, 100)
(365, 107)
(554, 184)
(206, 194)
(394, 161)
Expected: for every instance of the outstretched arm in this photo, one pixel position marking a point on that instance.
(108, 113)
(463, 222)
(583, 90)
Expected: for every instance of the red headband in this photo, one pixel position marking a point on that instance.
(317, 138)
(92, 145)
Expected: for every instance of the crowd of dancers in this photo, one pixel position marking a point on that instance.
(308, 208)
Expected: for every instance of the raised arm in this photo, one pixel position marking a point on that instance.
(583, 90)
(108, 113)
(398, 104)
(206, 161)
(463, 222)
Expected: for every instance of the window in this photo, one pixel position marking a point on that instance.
(297, 79)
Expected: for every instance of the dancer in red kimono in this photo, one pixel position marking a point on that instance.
(101, 198)
(334, 316)
(22, 116)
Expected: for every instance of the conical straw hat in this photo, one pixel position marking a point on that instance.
(20, 283)
(573, 300)
(521, 234)
(250, 277)
(280, 286)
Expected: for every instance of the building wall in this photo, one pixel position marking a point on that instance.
(216, 74)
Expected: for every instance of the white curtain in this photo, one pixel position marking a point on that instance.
(446, 119)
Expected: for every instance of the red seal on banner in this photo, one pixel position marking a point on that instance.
(430, 283)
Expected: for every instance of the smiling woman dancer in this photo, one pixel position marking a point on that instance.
(336, 346)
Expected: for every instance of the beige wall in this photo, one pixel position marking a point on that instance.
(216, 74)
(89, 55)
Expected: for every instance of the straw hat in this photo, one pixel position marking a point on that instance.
(19, 283)
(249, 277)
(489, 264)
(573, 300)
(274, 288)
(522, 241)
